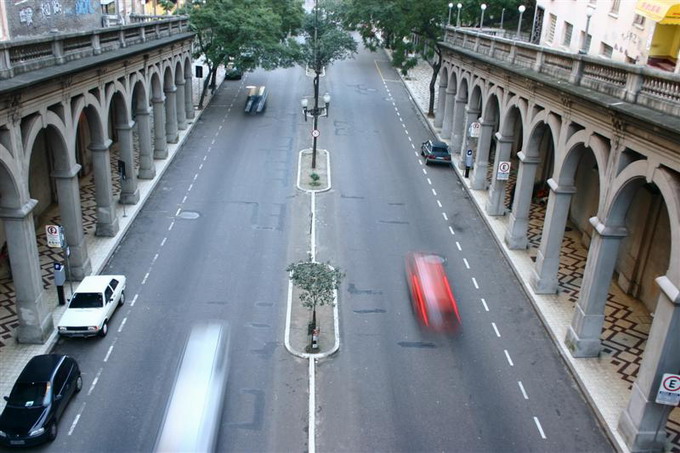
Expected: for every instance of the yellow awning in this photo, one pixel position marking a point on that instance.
(661, 11)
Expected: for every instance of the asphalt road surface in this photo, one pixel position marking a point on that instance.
(213, 241)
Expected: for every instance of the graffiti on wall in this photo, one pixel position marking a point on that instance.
(84, 7)
(26, 16)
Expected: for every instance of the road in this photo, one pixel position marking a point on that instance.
(212, 243)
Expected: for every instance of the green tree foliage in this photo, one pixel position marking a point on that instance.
(317, 282)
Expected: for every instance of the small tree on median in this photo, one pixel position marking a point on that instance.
(317, 283)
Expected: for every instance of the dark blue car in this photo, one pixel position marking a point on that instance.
(39, 396)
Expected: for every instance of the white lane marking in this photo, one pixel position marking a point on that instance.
(507, 354)
(191, 186)
(429, 181)
(75, 422)
(220, 128)
(424, 170)
(439, 203)
(134, 299)
(122, 324)
(94, 381)
(524, 393)
(108, 354)
(420, 162)
(467, 265)
(474, 282)
(213, 142)
(195, 176)
(179, 210)
(458, 245)
(163, 241)
(313, 232)
(410, 140)
(145, 277)
(451, 230)
(540, 429)
(498, 334)
(205, 158)
(416, 153)
(434, 192)
(155, 257)
(444, 215)
(200, 167)
(312, 408)
(485, 306)
(171, 225)
(184, 200)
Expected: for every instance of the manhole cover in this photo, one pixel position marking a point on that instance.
(188, 215)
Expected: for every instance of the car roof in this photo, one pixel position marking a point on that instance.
(96, 283)
(438, 144)
(41, 368)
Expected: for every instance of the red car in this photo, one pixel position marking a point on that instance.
(431, 295)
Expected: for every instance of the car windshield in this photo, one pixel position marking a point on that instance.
(29, 394)
(86, 300)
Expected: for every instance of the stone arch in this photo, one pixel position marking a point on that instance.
(36, 124)
(566, 163)
(10, 189)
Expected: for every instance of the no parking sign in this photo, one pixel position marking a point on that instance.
(669, 390)
(503, 171)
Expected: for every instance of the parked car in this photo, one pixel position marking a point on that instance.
(435, 151)
(233, 73)
(38, 399)
(92, 305)
(257, 99)
(431, 295)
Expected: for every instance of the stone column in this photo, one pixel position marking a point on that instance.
(458, 130)
(107, 221)
(181, 113)
(516, 233)
(171, 133)
(129, 192)
(70, 211)
(33, 307)
(439, 115)
(471, 115)
(544, 279)
(160, 144)
(583, 336)
(448, 115)
(639, 422)
(189, 98)
(147, 169)
(478, 180)
(495, 205)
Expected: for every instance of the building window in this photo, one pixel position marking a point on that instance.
(615, 6)
(568, 30)
(607, 51)
(551, 29)
(639, 20)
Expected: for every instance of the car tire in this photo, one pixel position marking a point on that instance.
(79, 383)
(52, 431)
(121, 301)
(427, 162)
(104, 330)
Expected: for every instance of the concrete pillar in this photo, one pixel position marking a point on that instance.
(439, 115)
(160, 144)
(458, 129)
(544, 279)
(478, 181)
(107, 221)
(516, 234)
(471, 115)
(448, 115)
(33, 308)
(129, 192)
(147, 169)
(189, 98)
(495, 205)
(171, 133)
(583, 336)
(643, 416)
(70, 212)
(181, 113)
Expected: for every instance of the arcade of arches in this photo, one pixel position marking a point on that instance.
(579, 171)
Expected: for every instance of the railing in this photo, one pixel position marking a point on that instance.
(651, 88)
(25, 55)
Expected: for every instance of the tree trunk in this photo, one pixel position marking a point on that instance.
(435, 72)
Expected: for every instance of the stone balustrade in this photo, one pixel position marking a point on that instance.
(24, 55)
(647, 87)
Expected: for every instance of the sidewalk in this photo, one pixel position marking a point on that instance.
(605, 381)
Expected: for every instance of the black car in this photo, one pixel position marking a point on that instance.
(435, 151)
(39, 396)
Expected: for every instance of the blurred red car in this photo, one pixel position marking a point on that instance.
(431, 295)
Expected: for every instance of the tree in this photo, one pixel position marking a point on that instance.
(245, 33)
(317, 282)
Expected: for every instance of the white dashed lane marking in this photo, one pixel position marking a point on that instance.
(485, 306)
(498, 334)
(434, 192)
(524, 393)
(540, 429)
(474, 282)
(507, 355)
(467, 265)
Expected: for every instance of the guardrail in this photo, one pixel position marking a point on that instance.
(651, 88)
(24, 55)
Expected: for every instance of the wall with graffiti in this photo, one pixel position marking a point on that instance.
(32, 18)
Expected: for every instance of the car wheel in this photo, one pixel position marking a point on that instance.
(105, 329)
(79, 383)
(427, 162)
(121, 301)
(52, 431)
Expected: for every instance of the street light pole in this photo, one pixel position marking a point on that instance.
(521, 8)
(589, 13)
(450, 7)
(459, 6)
(481, 20)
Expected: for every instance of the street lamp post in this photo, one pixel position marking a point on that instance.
(481, 20)
(459, 6)
(450, 7)
(589, 13)
(521, 9)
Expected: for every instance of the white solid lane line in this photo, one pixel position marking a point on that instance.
(311, 440)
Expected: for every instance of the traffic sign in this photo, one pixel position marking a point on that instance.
(315, 133)
(55, 237)
(503, 172)
(475, 128)
(669, 390)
